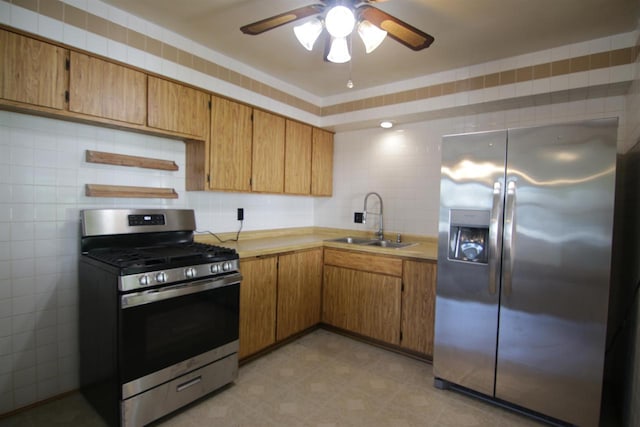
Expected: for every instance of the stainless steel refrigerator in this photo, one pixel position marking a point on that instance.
(524, 256)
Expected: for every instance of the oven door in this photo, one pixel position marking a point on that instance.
(173, 330)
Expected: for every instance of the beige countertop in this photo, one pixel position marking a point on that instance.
(269, 242)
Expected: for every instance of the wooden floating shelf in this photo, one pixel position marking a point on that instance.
(134, 161)
(97, 190)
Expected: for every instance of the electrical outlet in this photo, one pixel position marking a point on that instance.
(240, 214)
(358, 217)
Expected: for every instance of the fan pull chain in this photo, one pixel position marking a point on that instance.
(350, 82)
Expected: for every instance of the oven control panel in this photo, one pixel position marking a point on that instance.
(175, 275)
(151, 219)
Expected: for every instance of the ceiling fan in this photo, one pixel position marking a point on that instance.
(340, 17)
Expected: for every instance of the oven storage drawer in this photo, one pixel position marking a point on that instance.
(166, 398)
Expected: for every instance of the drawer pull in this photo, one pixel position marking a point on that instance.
(188, 384)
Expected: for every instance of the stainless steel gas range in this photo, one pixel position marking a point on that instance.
(159, 313)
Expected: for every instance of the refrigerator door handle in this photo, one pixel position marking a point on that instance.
(494, 232)
(509, 219)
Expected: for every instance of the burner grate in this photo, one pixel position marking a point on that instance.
(163, 255)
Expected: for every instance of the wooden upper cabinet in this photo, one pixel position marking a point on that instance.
(299, 292)
(103, 89)
(297, 158)
(230, 146)
(32, 71)
(322, 163)
(268, 152)
(418, 306)
(177, 108)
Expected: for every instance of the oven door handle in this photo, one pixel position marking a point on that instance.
(154, 295)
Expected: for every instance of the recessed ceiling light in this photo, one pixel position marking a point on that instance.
(386, 124)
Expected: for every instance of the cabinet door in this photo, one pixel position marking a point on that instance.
(257, 305)
(299, 292)
(268, 152)
(418, 303)
(178, 108)
(297, 159)
(230, 146)
(362, 302)
(103, 89)
(322, 163)
(32, 71)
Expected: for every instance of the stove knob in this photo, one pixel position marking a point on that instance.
(215, 268)
(190, 273)
(226, 266)
(161, 277)
(143, 280)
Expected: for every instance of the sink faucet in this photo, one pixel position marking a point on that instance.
(380, 233)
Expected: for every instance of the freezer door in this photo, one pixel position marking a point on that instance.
(556, 263)
(471, 199)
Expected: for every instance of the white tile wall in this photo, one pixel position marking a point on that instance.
(40, 200)
(403, 164)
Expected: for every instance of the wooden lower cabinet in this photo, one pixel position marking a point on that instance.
(257, 304)
(362, 302)
(418, 305)
(380, 297)
(299, 292)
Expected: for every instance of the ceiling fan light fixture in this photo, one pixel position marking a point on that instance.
(340, 21)
(371, 35)
(339, 52)
(308, 33)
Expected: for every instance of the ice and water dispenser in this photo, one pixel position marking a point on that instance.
(469, 235)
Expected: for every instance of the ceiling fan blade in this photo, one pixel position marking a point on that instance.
(267, 24)
(398, 30)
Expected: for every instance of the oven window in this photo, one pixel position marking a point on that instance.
(160, 334)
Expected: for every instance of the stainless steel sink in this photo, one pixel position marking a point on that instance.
(389, 244)
(372, 242)
(353, 240)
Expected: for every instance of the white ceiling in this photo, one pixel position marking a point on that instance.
(466, 32)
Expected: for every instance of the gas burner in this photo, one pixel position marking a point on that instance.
(162, 255)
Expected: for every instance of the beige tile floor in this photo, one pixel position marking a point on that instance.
(321, 380)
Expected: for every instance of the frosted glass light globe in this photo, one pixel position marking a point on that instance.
(340, 21)
(339, 52)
